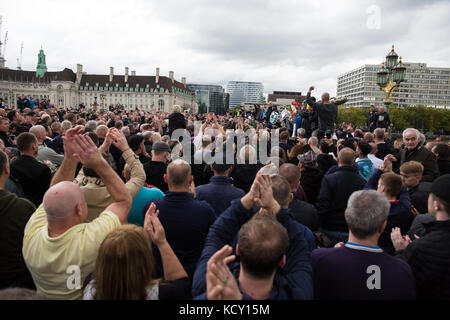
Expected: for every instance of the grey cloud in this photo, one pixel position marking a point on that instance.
(285, 44)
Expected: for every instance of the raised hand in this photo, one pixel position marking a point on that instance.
(87, 152)
(119, 139)
(154, 227)
(400, 242)
(220, 282)
(69, 141)
(387, 165)
(266, 200)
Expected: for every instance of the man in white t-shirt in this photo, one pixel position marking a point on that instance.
(377, 163)
(59, 248)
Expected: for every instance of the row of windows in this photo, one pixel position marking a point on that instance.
(365, 72)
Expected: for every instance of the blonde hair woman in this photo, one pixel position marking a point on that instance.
(125, 265)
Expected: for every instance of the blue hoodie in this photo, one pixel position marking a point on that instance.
(293, 282)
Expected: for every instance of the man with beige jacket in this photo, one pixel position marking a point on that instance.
(95, 191)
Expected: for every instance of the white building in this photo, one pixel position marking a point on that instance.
(68, 89)
(245, 92)
(423, 86)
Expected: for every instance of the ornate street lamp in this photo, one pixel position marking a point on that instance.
(102, 99)
(391, 76)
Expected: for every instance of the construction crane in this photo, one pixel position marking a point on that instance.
(19, 60)
(1, 43)
(2, 50)
(4, 44)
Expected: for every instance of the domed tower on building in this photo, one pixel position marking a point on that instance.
(41, 68)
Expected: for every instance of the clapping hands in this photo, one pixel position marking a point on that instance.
(220, 282)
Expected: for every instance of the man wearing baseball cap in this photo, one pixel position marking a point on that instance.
(157, 168)
(429, 255)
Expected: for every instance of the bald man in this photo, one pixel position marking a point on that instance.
(59, 248)
(335, 191)
(101, 132)
(45, 153)
(185, 219)
(326, 111)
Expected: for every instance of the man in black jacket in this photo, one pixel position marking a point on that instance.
(302, 211)
(33, 176)
(415, 152)
(326, 111)
(14, 215)
(383, 119)
(176, 120)
(429, 256)
(384, 148)
(311, 175)
(334, 193)
(4, 132)
(372, 119)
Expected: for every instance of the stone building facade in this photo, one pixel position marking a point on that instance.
(68, 89)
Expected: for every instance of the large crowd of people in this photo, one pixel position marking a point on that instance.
(267, 204)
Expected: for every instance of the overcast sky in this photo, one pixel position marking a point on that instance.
(286, 44)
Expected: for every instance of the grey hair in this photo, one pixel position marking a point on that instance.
(147, 135)
(313, 141)
(66, 125)
(423, 139)
(126, 131)
(367, 210)
(301, 132)
(55, 125)
(176, 109)
(91, 125)
(417, 132)
(379, 133)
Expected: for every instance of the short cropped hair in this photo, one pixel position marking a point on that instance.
(367, 210)
(281, 190)
(347, 157)
(325, 147)
(263, 242)
(179, 172)
(25, 140)
(379, 133)
(3, 161)
(284, 135)
(443, 151)
(412, 167)
(393, 184)
(412, 130)
(364, 148)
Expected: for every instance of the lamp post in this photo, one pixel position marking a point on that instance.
(390, 77)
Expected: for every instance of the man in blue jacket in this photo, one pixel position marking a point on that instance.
(264, 267)
(185, 219)
(334, 193)
(391, 186)
(220, 192)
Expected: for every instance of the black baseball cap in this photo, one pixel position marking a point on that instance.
(161, 146)
(440, 187)
(135, 141)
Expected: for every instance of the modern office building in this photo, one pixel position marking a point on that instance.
(245, 92)
(286, 98)
(68, 89)
(423, 85)
(211, 98)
